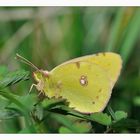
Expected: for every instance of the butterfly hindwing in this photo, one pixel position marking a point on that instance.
(85, 85)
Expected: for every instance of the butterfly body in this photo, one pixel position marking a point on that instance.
(85, 82)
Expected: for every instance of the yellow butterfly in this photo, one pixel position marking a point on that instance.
(85, 82)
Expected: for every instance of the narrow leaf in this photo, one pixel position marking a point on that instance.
(13, 77)
(101, 118)
(120, 115)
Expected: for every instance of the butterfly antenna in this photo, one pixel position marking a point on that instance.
(24, 60)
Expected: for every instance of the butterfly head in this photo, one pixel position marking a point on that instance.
(41, 77)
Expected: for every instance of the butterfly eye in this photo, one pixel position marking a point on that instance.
(45, 73)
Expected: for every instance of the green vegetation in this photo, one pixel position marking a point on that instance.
(50, 36)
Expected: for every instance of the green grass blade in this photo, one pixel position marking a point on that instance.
(132, 35)
(114, 30)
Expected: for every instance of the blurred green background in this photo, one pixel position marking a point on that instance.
(48, 36)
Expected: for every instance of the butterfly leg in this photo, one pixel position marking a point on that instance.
(39, 93)
(33, 85)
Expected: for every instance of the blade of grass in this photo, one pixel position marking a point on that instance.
(101, 118)
(65, 121)
(13, 42)
(114, 30)
(24, 110)
(132, 35)
(111, 112)
(12, 78)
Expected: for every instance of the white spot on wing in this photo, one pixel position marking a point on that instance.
(83, 80)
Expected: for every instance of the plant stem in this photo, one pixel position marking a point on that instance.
(111, 112)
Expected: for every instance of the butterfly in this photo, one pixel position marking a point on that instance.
(85, 82)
